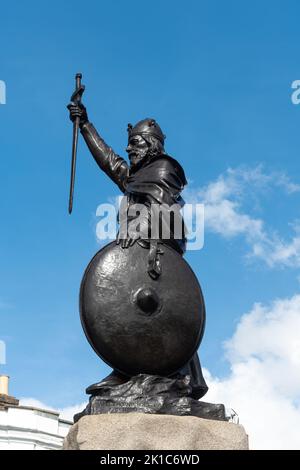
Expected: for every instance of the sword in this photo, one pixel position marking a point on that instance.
(76, 99)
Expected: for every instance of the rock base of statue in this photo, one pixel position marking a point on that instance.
(139, 431)
(151, 394)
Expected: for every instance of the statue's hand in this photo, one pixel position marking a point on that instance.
(78, 110)
(125, 242)
(137, 229)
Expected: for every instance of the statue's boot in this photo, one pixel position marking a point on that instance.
(114, 378)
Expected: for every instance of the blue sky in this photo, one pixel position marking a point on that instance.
(217, 76)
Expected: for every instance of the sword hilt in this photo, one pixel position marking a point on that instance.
(76, 96)
(78, 80)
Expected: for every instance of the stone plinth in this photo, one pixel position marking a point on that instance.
(138, 431)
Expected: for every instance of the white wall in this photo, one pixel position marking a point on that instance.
(23, 427)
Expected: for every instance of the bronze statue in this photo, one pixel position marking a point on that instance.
(147, 277)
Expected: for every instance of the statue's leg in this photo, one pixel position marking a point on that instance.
(198, 384)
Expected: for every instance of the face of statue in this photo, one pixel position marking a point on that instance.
(137, 149)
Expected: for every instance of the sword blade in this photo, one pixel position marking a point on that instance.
(78, 90)
(73, 164)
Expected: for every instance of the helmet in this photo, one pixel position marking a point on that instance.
(146, 127)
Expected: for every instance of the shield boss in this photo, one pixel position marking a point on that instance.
(137, 324)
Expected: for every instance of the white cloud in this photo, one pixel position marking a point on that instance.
(69, 411)
(278, 252)
(263, 386)
(224, 214)
(65, 413)
(34, 403)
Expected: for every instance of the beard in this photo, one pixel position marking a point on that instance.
(137, 156)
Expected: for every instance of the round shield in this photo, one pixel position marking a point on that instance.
(137, 324)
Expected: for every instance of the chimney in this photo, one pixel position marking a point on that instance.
(4, 379)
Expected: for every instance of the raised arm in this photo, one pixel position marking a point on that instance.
(111, 163)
